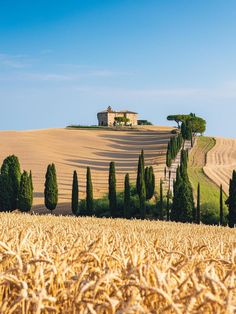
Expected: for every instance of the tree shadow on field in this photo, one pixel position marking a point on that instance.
(61, 209)
(124, 150)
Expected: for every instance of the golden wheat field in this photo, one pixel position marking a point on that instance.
(87, 265)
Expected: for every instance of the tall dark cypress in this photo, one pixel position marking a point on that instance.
(51, 188)
(165, 172)
(127, 213)
(89, 193)
(5, 193)
(139, 175)
(188, 132)
(75, 195)
(142, 199)
(25, 193)
(140, 172)
(231, 201)
(112, 190)
(221, 205)
(11, 173)
(168, 156)
(198, 212)
(146, 178)
(31, 180)
(183, 202)
(161, 200)
(168, 206)
(183, 130)
(149, 182)
(142, 161)
(176, 205)
(152, 182)
(32, 187)
(169, 176)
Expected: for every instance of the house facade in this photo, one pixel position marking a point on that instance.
(110, 117)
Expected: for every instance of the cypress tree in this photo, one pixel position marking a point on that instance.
(31, 180)
(221, 205)
(168, 206)
(11, 169)
(168, 156)
(32, 186)
(231, 201)
(139, 175)
(165, 172)
(176, 206)
(149, 182)
(75, 195)
(161, 200)
(183, 130)
(89, 193)
(25, 193)
(146, 178)
(127, 197)
(183, 202)
(184, 164)
(152, 182)
(5, 193)
(198, 213)
(173, 148)
(187, 203)
(112, 189)
(188, 132)
(169, 179)
(51, 188)
(142, 161)
(142, 199)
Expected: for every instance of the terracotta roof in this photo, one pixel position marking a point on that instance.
(120, 111)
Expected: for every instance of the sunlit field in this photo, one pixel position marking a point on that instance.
(87, 265)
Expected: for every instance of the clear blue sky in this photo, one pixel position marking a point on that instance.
(61, 61)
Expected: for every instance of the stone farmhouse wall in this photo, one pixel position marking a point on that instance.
(108, 118)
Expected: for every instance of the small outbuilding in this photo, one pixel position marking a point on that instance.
(110, 117)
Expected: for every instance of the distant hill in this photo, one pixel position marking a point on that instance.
(75, 149)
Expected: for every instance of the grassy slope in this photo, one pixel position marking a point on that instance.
(197, 160)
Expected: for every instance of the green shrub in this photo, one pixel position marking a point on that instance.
(210, 214)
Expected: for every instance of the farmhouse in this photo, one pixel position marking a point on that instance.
(110, 117)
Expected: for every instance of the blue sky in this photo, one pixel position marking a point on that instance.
(62, 61)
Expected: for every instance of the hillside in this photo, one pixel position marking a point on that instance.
(197, 161)
(87, 265)
(75, 149)
(221, 161)
(210, 193)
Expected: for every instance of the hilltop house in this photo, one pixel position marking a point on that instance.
(110, 117)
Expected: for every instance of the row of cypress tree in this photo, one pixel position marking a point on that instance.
(183, 209)
(16, 192)
(16, 188)
(174, 146)
(145, 188)
(186, 130)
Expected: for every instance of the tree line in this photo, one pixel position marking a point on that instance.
(139, 201)
(16, 190)
(191, 121)
(173, 148)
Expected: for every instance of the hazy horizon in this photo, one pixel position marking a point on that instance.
(62, 62)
